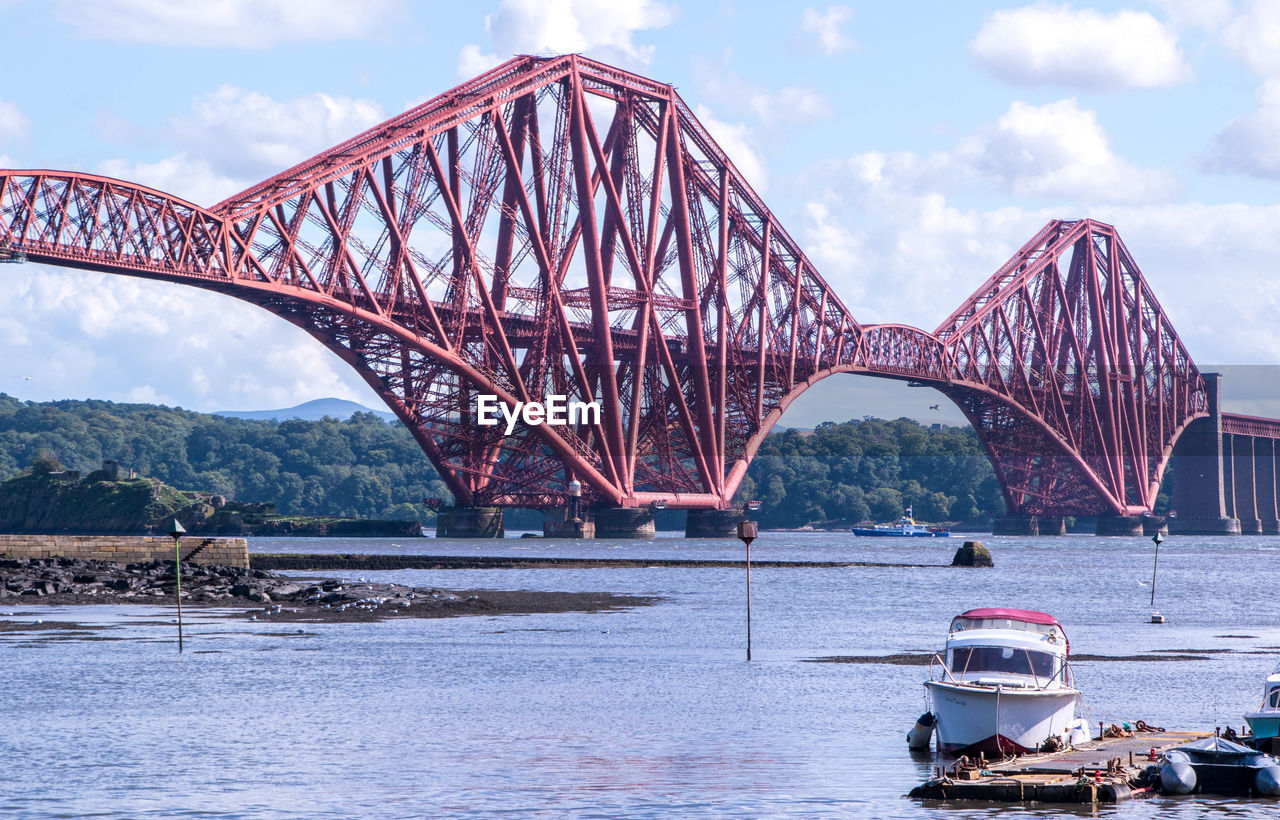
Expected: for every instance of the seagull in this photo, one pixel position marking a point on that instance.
(935, 407)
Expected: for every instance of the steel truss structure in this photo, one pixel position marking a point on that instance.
(559, 226)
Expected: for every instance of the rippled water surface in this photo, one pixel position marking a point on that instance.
(650, 712)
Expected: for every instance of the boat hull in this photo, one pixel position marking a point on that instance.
(999, 721)
(1264, 724)
(870, 533)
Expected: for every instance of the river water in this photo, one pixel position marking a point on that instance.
(650, 712)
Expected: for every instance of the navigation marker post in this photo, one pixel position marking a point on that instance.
(1156, 617)
(176, 532)
(748, 531)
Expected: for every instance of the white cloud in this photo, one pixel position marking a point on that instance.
(826, 27)
(1254, 37)
(882, 229)
(1213, 269)
(14, 124)
(603, 29)
(901, 255)
(235, 138)
(472, 62)
(193, 180)
(1058, 45)
(904, 255)
(248, 134)
(1206, 14)
(225, 23)
(1058, 150)
(1249, 145)
(738, 143)
(788, 107)
(125, 339)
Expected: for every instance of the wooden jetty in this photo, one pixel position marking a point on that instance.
(1103, 771)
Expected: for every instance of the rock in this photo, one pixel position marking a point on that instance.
(241, 590)
(285, 590)
(972, 554)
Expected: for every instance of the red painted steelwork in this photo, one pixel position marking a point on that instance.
(1255, 426)
(559, 226)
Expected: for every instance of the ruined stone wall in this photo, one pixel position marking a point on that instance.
(127, 549)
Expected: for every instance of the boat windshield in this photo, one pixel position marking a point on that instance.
(1273, 699)
(969, 660)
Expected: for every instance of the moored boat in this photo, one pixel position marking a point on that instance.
(904, 527)
(1215, 765)
(1003, 685)
(1264, 721)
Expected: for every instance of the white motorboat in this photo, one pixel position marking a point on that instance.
(1264, 721)
(1003, 686)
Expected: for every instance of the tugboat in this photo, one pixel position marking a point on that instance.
(904, 527)
(1003, 686)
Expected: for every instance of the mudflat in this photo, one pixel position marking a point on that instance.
(268, 595)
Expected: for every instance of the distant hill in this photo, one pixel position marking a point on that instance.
(315, 410)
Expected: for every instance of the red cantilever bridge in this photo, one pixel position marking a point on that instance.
(559, 226)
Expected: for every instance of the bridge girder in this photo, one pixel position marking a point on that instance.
(558, 226)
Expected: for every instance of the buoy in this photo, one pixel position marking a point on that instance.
(1267, 781)
(1176, 774)
(919, 736)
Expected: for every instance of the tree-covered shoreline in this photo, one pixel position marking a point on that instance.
(872, 470)
(364, 467)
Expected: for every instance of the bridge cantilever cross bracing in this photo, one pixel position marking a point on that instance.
(559, 226)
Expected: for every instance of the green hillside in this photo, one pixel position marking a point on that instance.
(365, 467)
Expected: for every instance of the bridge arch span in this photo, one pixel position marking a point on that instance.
(559, 226)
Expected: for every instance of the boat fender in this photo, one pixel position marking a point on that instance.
(1176, 774)
(1267, 781)
(1080, 733)
(919, 736)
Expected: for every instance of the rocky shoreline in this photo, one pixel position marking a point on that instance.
(270, 596)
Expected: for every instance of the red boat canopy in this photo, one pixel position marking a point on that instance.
(1028, 615)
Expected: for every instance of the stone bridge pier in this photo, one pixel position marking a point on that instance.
(1225, 473)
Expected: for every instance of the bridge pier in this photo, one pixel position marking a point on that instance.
(624, 522)
(469, 522)
(1152, 524)
(557, 522)
(1240, 456)
(1119, 525)
(1201, 470)
(1015, 525)
(1051, 524)
(713, 523)
(1264, 482)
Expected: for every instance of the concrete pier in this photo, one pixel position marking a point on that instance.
(558, 522)
(1119, 525)
(1015, 525)
(128, 549)
(712, 523)
(1202, 465)
(1051, 524)
(469, 522)
(624, 522)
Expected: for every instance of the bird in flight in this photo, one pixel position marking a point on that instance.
(935, 407)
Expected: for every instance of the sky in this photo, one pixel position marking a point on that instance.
(910, 148)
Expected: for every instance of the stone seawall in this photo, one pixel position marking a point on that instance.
(127, 549)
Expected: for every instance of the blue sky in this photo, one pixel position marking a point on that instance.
(910, 148)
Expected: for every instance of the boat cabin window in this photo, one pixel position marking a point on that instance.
(967, 660)
(1273, 699)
